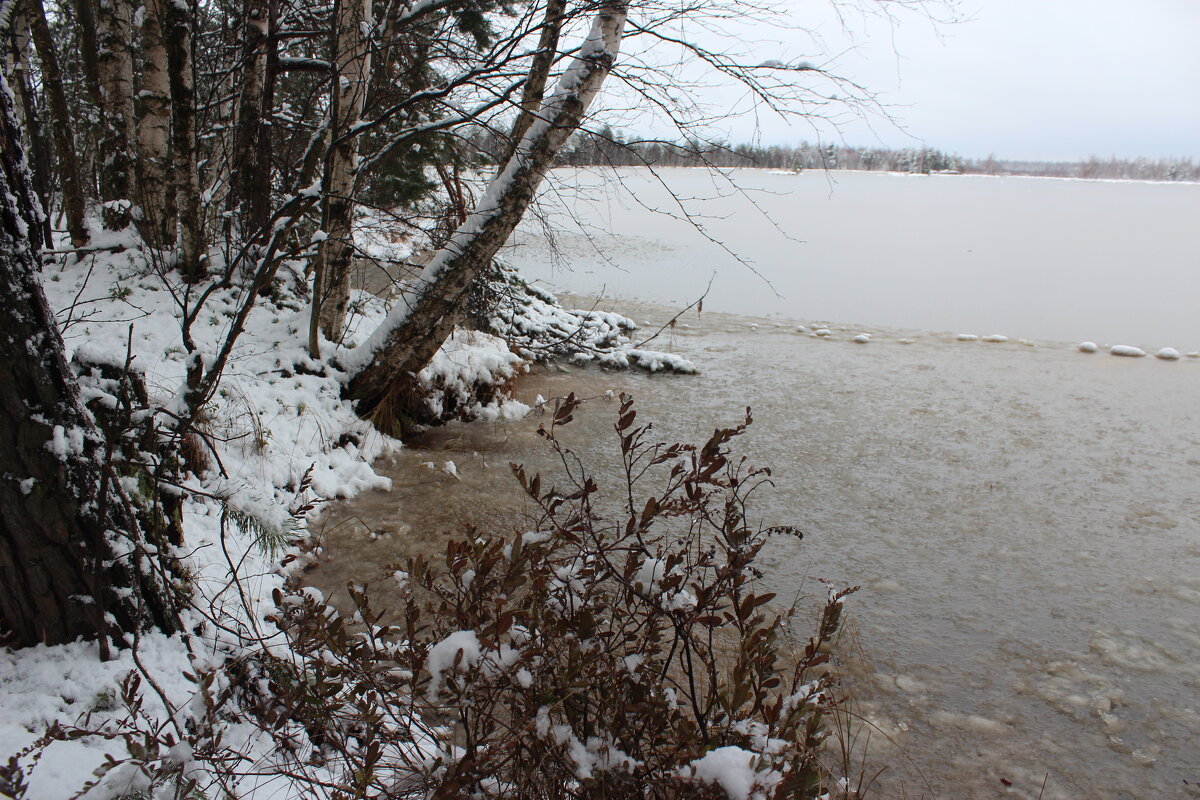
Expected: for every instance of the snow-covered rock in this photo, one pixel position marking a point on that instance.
(1168, 354)
(1127, 351)
(862, 338)
(1088, 347)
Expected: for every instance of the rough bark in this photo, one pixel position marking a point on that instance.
(383, 369)
(155, 192)
(352, 64)
(74, 205)
(115, 63)
(85, 18)
(31, 121)
(72, 560)
(249, 195)
(178, 26)
(534, 90)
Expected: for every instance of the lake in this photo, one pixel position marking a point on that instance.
(1067, 260)
(1023, 517)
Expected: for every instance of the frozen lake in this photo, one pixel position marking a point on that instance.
(1023, 517)
(1067, 260)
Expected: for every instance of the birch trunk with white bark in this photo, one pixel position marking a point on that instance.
(155, 195)
(383, 370)
(114, 27)
(178, 27)
(352, 65)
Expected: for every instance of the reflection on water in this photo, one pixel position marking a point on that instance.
(1024, 521)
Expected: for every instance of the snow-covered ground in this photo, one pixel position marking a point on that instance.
(282, 436)
(980, 489)
(1068, 260)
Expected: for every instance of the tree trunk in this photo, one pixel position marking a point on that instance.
(85, 18)
(352, 65)
(64, 137)
(539, 72)
(383, 369)
(31, 122)
(249, 194)
(178, 25)
(156, 195)
(73, 561)
(115, 62)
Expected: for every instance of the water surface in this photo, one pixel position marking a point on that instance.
(1070, 260)
(1024, 521)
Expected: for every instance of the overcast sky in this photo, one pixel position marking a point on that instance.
(1021, 79)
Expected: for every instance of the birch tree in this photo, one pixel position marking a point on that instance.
(155, 194)
(178, 23)
(331, 281)
(383, 370)
(114, 25)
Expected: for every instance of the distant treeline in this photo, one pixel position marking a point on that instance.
(608, 147)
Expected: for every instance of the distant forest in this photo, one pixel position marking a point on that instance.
(607, 147)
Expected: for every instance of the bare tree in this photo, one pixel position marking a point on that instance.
(331, 282)
(115, 72)
(64, 137)
(155, 193)
(385, 367)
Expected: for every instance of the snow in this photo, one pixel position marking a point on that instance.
(995, 337)
(459, 650)
(967, 337)
(1127, 351)
(1088, 347)
(732, 768)
(1168, 354)
(276, 416)
(65, 443)
(862, 338)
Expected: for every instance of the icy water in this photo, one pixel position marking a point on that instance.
(1024, 520)
(1115, 262)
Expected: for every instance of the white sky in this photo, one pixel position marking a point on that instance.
(1021, 79)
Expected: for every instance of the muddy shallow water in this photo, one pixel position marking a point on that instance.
(1024, 521)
